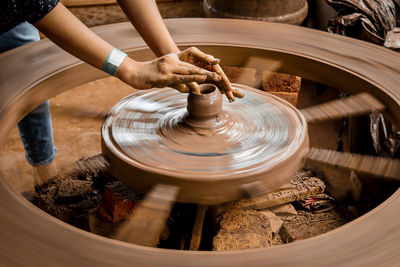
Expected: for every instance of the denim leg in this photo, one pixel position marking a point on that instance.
(20, 35)
(35, 128)
(37, 135)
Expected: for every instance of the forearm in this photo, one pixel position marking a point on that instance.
(147, 20)
(69, 33)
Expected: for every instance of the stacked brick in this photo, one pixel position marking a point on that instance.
(285, 86)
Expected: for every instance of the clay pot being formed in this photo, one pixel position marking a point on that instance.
(282, 11)
(205, 106)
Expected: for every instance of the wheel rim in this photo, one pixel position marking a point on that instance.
(30, 235)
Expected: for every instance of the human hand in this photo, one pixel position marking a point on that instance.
(194, 56)
(164, 71)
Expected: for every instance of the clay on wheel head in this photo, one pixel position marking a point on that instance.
(210, 148)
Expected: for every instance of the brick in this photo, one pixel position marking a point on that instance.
(280, 82)
(117, 202)
(290, 97)
(241, 75)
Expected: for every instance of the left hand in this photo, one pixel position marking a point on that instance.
(196, 57)
(167, 70)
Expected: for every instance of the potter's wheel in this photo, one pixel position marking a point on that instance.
(30, 235)
(250, 146)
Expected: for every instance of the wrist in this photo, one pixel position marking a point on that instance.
(127, 71)
(175, 50)
(113, 61)
(168, 50)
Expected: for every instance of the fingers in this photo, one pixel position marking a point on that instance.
(192, 70)
(178, 79)
(237, 93)
(224, 83)
(183, 88)
(193, 54)
(186, 88)
(176, 72)
(191, 66)
(194, 87)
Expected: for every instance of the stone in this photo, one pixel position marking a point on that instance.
(73, 190)
(284, 210)
(68, 198)
(277, 241)
(275, 221)
(241, 75)
(280, 82)
(298, 188)
(308, 224)
(242, 229)
(291, 97)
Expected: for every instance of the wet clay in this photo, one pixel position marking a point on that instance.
(204, 141)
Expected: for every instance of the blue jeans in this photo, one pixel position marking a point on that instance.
(35, 128)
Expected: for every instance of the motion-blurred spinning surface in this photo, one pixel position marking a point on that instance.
(257, 138)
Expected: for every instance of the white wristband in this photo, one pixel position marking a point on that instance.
(113, 61)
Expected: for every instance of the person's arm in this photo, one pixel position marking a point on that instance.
(64, 29)
(147, 20)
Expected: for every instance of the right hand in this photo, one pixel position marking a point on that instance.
(164, 71)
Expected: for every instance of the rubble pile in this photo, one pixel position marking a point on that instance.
(298, 210)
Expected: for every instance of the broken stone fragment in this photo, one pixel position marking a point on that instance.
(297, 189)
(277, 241)
(242, 229)
(307, 224)
(73, 190)
(284, 210)
(275, 221)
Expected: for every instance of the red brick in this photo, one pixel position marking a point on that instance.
(117, 203)
(280, 82)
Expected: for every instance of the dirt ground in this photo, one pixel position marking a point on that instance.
(77, 118)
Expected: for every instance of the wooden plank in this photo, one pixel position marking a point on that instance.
(354, 105)
(198, 227)
(378, 166)
(149, 217)
(298, 188)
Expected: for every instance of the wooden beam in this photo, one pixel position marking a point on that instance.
(198, 227)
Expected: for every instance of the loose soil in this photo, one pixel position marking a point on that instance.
(76, 197)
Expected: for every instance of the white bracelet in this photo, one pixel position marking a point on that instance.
(113, 61)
